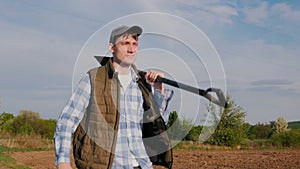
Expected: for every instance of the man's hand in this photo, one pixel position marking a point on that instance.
(64, 166)
(151, 77)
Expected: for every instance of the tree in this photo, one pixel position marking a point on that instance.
(231, 129)
(288, 138)
(181, 129)
(4, 117)
(47, 128)
(172, 118)
(194, 133)
(279, 126)
(26, 129)
(27, 121)
(260, 131)
(174, 126)
(5, 121)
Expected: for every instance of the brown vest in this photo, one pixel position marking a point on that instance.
(95, 137)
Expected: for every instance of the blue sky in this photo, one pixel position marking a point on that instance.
(257, 42)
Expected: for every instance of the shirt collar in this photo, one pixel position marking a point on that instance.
(134, 75)
(112, 71)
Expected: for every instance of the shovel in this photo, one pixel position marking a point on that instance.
(220, 101)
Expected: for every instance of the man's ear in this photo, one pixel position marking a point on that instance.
(111, 47)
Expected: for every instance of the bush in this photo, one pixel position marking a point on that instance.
(194, 133)
(231, 129)
(279, 126)
(289, 138)
(182, 129)
(6, 120)
(26, 129)
(27, 123)
(260, 131)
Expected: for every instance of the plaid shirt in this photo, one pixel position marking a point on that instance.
(129, 139)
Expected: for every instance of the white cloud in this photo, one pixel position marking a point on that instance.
(263, 78)
(266, 14)
(285, 12)
(31, 58)
(40, 43)
(256, 60)
(257, 15)
(24, 47)
(208, 12)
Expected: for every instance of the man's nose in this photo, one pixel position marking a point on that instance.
(131, 48)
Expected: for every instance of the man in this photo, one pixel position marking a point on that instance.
(115, 114)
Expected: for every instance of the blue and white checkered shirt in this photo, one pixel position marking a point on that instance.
(129, 139)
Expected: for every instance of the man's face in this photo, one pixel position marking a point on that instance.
(125, 50)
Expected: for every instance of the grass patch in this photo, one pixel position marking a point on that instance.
(260, 144)
(25, 141)
(191, 145)
(9, 162)
(20, 143)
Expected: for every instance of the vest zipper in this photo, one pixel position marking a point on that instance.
(117, 121)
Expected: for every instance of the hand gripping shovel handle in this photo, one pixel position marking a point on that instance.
(221, 101)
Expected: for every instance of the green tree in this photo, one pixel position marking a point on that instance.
(290, 138)
(26, 129)
(5, 117)
(194, 133)
(260, 131)
(5, 122)
(174, 127)
(231, 129)
(279, 126)
(27, 122)
(180, 129)
(172, 118)
(25, 119)
(47, 128)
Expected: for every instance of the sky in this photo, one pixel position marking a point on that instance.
(247, 48)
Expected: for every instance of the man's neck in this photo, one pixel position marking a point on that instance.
(121, 69)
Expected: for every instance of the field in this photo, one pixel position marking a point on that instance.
(191, 159)
(39, 154)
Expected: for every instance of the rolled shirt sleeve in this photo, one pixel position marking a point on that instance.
(163, 102)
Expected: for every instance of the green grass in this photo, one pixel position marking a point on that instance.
(259, 144)
(190, 145)
(8, 162)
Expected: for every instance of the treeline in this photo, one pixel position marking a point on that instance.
(26, 123)
(228, 128)
(278, 133)
(259, 135)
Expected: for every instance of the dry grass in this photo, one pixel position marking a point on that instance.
(26, 141)
(191, 145)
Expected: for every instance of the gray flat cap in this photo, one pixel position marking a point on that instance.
(121, 30)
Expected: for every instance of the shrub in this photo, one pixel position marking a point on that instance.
(182, 129)
(260, 131)
(194, 133)
(279, 126)
(289, 138)
(231, 128)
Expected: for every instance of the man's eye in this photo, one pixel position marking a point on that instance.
(128, 43)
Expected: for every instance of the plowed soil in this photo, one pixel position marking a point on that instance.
(193, 159)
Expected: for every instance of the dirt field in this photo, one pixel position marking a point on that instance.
(194, 159)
